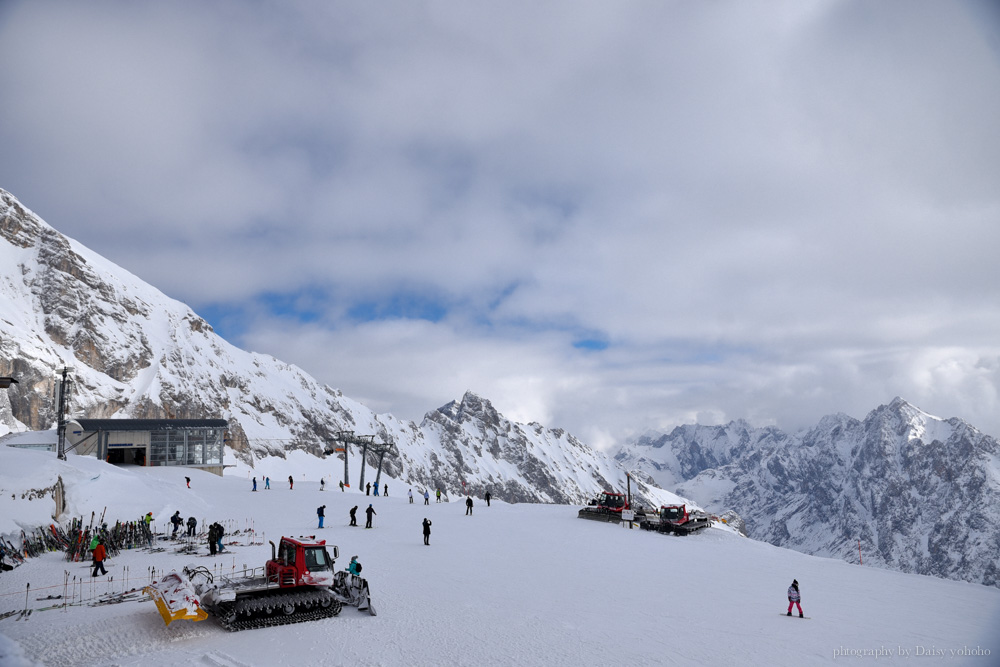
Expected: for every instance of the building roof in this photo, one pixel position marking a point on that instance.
(148, 424)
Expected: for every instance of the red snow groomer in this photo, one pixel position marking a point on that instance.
(677, 519)
(297, 584)
(607, 506)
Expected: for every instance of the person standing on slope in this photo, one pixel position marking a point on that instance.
(370, 512)
(488, 496)
(176, 520)
(192, 525)
(254, 484)
(427, 497)
(291, 483)
(99, 555)
(427, 532)
(267, 483)
(468, 506)
(410, 494)
(321, 514)
(354, 516)
(794, 598)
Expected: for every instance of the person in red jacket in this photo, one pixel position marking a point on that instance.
(99, 555)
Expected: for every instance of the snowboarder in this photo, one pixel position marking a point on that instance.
(468, 505)
(99, 555)
(794, 598)
(267, 483)
(427, 532)
(368, 489)
(188, 480)
(192, 524)
(322, 486)
(320, 513)
(176, 520)
(488, 496)
(439, 495)
(254, 483)
(354, 516)
(370, 512)
(427, 497)
(355, 567)
(410, 494)
(291, 483)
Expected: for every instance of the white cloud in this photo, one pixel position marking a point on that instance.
(771, 211)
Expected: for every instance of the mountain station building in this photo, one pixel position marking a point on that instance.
(192, 443)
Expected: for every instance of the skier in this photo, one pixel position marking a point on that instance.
(177, 521)
(291, 483)
(376, 488)
(368, 489)
(427, 497)
(385, 490)
(188, 480)
(320, 514)
(488, 496)
(219, 532)
(410, 494)
(213, 539)
(468, 505)
(370, 512)
(99, 555)
(794, 598)
(354, 516)
(355, 567)
(254, 483)
(439, 495)
(149, 527)
(267, 483)
(427, 532)
(322, 486)
(192, 524)
(341, 482)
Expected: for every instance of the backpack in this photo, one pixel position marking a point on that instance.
(357, 567)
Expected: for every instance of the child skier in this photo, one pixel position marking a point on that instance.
(794, 597)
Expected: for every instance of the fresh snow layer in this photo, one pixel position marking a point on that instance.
(509, 585)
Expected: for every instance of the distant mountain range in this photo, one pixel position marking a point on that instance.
(139, 354)
(915, 492)
(920, 493)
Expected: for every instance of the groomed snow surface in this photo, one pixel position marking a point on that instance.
(509, 585)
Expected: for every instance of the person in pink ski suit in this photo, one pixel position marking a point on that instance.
(794, 597)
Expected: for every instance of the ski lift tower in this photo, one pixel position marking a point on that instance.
(62, 401)
(348, 437)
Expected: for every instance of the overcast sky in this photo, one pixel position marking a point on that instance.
(606, 217)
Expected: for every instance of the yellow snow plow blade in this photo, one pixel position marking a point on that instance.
(175, 599)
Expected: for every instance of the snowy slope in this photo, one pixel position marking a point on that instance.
(138, 353)
(512, 584)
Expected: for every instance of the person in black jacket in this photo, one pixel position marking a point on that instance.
(192, 525)
(321, 514)
(354, 516)
(370, 512)
(468, 506)
(427, 531)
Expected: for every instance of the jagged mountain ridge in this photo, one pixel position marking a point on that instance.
(922, 494)
(139, 354)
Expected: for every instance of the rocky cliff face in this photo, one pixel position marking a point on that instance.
(921, 494)
(137, 353)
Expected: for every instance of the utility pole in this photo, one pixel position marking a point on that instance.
(63, 400)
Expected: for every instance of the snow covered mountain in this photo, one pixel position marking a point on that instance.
(139, 354)
(922, 494)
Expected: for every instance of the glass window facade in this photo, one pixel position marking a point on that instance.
(191, 447)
